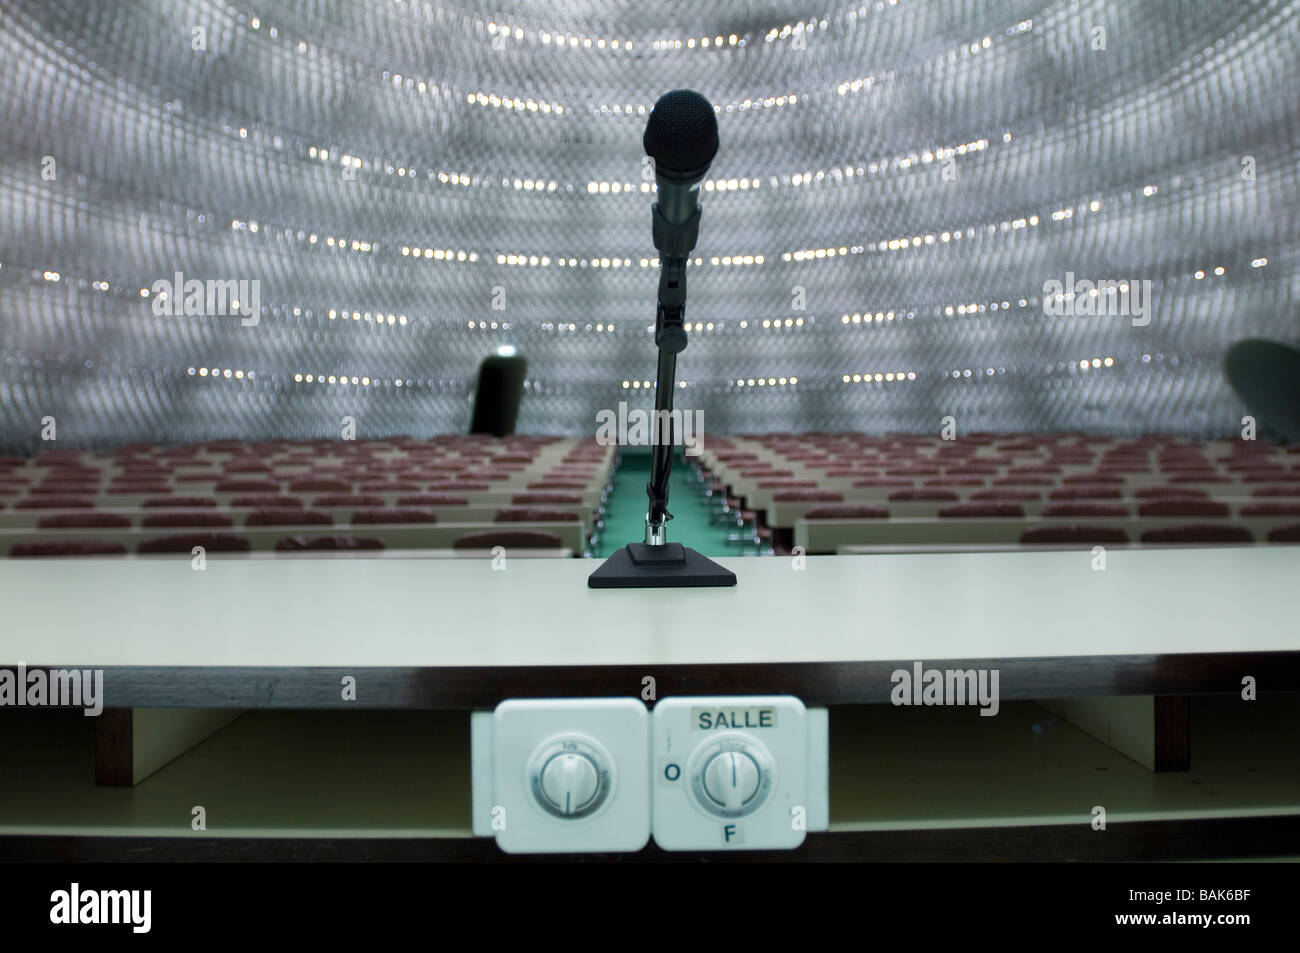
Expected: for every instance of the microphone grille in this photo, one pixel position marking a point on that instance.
(682, 133)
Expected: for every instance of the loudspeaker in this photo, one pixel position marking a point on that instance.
(498, 395)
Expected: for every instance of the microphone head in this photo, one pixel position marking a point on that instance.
(682, 134)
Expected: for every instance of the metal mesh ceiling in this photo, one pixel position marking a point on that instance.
(414, 184)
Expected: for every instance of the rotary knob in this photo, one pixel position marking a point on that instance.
(731, 780)
(731, 775)
(571, 776)
(569, 782)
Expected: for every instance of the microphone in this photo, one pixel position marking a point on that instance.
(682, 138)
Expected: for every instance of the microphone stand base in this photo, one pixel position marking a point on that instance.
(670, 566)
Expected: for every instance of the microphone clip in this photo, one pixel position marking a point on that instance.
(675, 240)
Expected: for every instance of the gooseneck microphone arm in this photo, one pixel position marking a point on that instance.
(670, 338)
(674, 241)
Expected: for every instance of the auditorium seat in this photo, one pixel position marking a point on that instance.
(1089, 492)
(1285, 534)
(319, 486)
(265, 501)
(1070, 535)
(1058, 510)
(509, 539)
(1183, 507)
(288, 516)
(183, 518)
(179, 502)
(66, 547)
(1007, 495)
(531, 499)
(924, 494)
(83, 520)
(846, 511)
(56, 503)
(432, 499)
(1271, 509)
(393, 514)
(1199, 533)
(328, 543)
(348, 500)
(522, 514)
(185, 543)
(1161, 492)
(981, 510)
(247, 486)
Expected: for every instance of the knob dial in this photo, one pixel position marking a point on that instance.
(571, 776)
(569, 782)
(731, 774)
(731, 779)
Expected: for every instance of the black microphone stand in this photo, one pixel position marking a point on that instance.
(657, 563)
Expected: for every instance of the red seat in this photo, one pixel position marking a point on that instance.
(1094, 478)
(316, 543)
(318, 485)
(432, 499)
(66, 547)
(185, 543)
(1073, 535)
(1285, 534)
(177, 502)
(55, 503)
(1271, 509)
(248, 486)
(84, 521)
(1006, 494)
(266, 501)
(508, 539)
(393, 514)
(1182, 507)
(1199, 533)
(1085, 493)
(205, 518)
(1276, 491)
(846, 511)
(981, 510)
(1024, 481)
(348, 499)
(288, 516)
(933, 493)
(529, 499)
(521, 514)
(1164, 492)
(807, 496)
(1085, 509)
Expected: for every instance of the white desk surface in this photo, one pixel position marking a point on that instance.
(422, 613)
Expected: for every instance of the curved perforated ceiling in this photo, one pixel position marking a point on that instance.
(414, 184)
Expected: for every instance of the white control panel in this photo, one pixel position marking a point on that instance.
(561, 775)
(738, 772)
